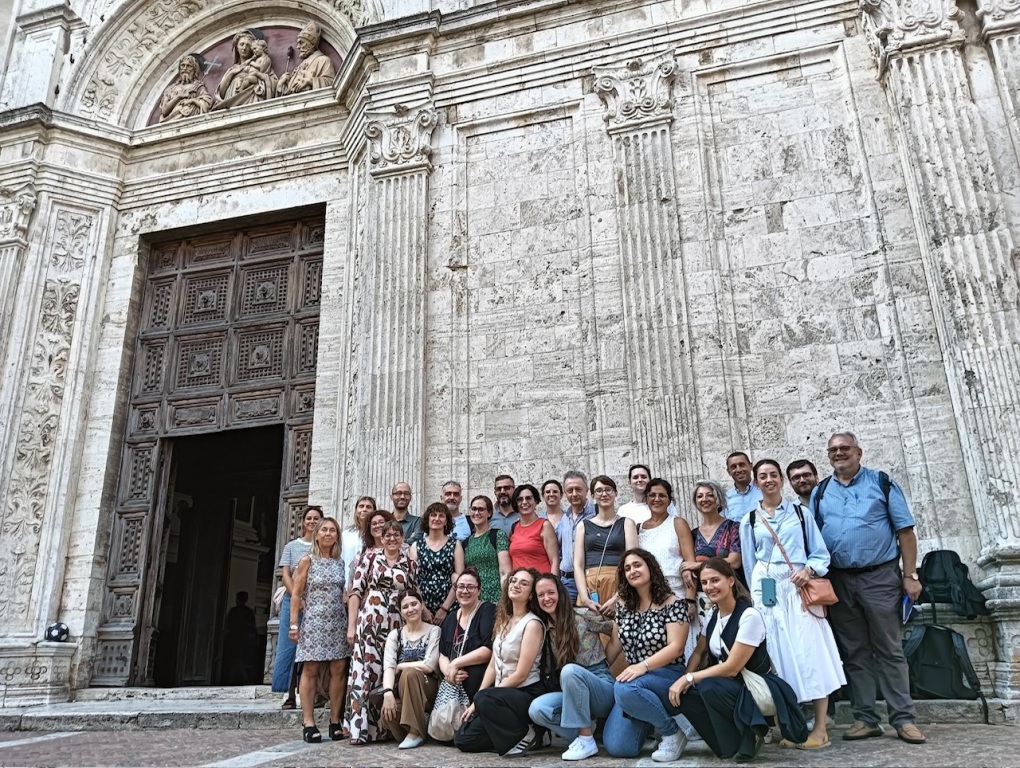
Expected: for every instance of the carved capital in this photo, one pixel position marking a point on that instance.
(639, 91)
(16, 209)
(999, 15)
(893, 26)
(400, 139)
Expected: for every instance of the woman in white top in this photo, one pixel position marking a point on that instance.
(801, 641)
(285, 677)
(352, 543)
(497, 720)
(713, 693)
(410, 673)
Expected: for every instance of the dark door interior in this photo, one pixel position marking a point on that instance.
(219, 558)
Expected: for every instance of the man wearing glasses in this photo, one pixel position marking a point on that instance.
(803, 477)
(503, 517)
(400, 495)
(869, 530)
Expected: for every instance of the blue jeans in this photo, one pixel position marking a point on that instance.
(571, 587)
(286, 649)
(587, 694)
(647, 698)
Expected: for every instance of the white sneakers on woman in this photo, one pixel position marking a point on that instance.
(581, 748)
(410, 742)
(670, 748)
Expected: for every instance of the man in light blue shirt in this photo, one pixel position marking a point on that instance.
(868, 529)
(451, 497)
(575, 488)
(744, 495)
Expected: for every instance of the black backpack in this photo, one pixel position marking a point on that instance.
(945, 579)
(940, 666)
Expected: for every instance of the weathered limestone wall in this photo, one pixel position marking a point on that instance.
(558, 235)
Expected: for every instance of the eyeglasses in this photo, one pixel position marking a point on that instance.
(656, 496)
(393, 535)
(603, 491)
(836, 449)
(483, 510)
(466, 587)
(798, 478)
(525, 499)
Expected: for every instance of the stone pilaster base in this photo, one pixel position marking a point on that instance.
(1002, 588)
(37, 673)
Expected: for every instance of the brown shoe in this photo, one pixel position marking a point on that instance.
(911, 734)
(861, 730)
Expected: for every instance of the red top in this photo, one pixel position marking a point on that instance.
(527, 550)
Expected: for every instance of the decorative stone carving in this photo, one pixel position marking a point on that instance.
(399, 138)
(314, 71)
(896, 25)
(638, 91)
(34, 447)
(999, 15)
(186, 95)
(16, 214)
(251, 78)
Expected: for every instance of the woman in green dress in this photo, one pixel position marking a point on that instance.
(488, 550)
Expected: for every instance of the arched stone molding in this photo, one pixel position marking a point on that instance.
(132, 55)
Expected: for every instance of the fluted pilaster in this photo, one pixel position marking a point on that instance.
(968, 256)
(16, 209)
(638, 101)
(1000, 21)
(390, 415)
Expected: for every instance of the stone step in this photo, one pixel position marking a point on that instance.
(190, 693)
(263, 714)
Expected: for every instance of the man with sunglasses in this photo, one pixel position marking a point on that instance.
(869, 530)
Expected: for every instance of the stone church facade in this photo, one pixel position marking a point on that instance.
(520, 236)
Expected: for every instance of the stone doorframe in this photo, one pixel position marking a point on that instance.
(227, 338)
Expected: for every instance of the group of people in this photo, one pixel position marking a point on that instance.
(496, 629)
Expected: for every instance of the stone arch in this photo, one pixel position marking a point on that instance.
(146, 38)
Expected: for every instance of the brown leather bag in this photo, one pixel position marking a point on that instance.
(818, 592)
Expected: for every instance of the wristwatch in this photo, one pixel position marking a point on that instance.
(914, 576)
(690, 678)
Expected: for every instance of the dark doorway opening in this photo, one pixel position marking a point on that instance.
(214, 595)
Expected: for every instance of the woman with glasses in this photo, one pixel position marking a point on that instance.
(599, 543)
(487, 550)
(465, 645)
(380, 578)
(497, 720)
(440, 558)
(533, 542)
(285, 677)
(318, 633)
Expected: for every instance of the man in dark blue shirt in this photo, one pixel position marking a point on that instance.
(868, 529)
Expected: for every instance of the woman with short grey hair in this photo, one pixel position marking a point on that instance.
(715, 536)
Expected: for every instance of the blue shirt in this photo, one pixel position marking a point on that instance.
(565, 534)
(461, 528)
(758, 545)
(502, 522)
(858, 526)
(739, 504)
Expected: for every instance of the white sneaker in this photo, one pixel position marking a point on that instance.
(410, 742)
(581, 748)
(670, 748)
(523, 745)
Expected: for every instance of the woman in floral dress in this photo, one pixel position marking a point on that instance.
(380, 578)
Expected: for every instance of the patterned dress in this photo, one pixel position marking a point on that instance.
(323, 635)
(379, 585)
(479, 552)
(725, 540)
(435, 572)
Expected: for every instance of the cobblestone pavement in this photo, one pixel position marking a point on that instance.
(956, 745)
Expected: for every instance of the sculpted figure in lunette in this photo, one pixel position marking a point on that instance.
(251, 78)
(187, 94)
(315, 69)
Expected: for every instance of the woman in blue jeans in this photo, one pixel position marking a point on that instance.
(283, 666)
(586, 684)
(652, 626)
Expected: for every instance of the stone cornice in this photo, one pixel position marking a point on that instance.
(54, 16)
(897, 26)
(999, 16)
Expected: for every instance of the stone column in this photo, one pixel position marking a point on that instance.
(967, 251)
(1001, 25)
(15, 215)
(638, 113)
(389, 360)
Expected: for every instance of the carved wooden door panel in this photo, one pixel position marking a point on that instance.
(227, 338)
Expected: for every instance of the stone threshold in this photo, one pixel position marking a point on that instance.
(244, 709)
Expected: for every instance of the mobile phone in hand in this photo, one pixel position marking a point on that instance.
(768, 591)
(594, 597)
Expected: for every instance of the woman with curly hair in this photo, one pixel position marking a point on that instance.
(497, 720)
(652, 625)
(574, 646)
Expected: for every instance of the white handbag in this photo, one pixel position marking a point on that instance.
(760, 691)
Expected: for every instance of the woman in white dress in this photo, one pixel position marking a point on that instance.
(800, 642)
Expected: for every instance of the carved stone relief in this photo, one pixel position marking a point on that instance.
(895, 25)
(16, 213)
(399, 138)
(999, 15)
(186, 95)
(638, 91)
(314, 71)
(21, 519)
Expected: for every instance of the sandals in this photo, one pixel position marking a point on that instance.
(289, 704)
(813, 743)
(336, 731)
(311, 735)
